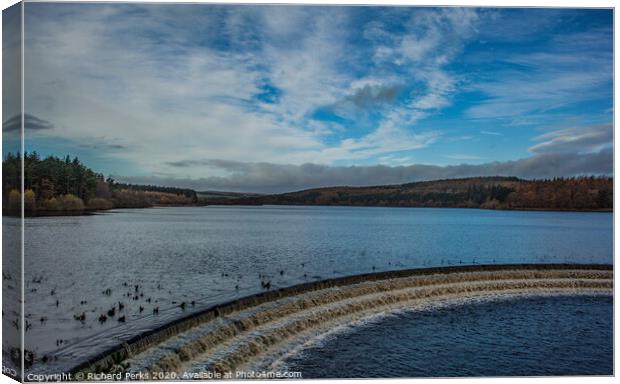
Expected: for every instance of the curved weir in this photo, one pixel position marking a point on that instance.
(256, 331)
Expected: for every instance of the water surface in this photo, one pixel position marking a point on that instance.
(208, 255)
(531, 336)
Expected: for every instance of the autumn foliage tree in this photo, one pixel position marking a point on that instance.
(576, 193)
(66, 185)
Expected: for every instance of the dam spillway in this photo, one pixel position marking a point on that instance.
(256, 331)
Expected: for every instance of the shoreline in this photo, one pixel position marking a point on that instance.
(93, 212)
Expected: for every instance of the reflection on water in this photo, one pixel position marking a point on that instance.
(532, 336)
(163, 263)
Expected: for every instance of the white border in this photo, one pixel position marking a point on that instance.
(480, 3)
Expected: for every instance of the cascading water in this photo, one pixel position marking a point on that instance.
(254, 332)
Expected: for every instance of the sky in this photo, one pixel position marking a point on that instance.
(281, 98)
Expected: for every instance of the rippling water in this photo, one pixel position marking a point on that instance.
(532, 336)
(210, 255)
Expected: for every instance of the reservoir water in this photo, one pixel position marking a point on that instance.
(180, 260)
(517, 336)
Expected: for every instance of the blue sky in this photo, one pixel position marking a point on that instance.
(276, 98)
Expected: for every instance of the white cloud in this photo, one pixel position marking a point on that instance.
(575, 140)
(171, 85)
(277, 178)
(520, 94)
(197, 100)
(432, 41)
(571, 69)
(141, 77)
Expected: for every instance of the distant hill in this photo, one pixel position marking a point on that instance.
(215, 197)
(580, 193)
(60, 186)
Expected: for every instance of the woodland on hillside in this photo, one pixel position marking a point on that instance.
(66, 186)
(576, 193)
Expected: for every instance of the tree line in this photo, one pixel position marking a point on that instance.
(54, 185)
(574, 193)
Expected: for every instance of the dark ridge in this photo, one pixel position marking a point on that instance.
(496, 192)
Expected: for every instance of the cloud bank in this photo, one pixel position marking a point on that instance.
(278, 178)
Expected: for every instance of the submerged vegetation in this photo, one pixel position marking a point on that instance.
(66, 186)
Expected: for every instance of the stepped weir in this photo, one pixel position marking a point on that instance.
(258, 330)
